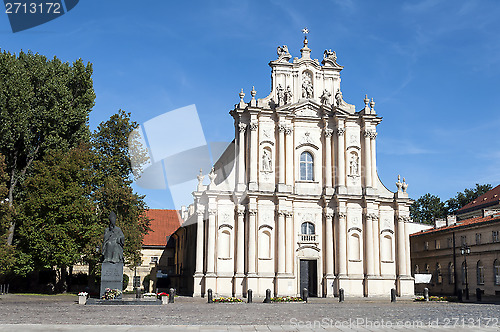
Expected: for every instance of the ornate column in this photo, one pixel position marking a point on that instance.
(281, 156)
(241, 156)
(329, 244)
(253, 163)
(341, 157)
(211, 241)
(368, 163)
(290, 248)
(369, 245)
(376, 245)
(281, 242)
(252, 213)
(240, 241)
(289, 161)
(342, 250)
(328, 157)
(200, 235)
(401, 247)
(373, 135)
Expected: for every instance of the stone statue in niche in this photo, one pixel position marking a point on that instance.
(266, 161)
(354, 164)
(307, 87)
(288, 95)
(281, 95)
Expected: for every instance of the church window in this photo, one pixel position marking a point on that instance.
(307, 228)
(387, 248)
(265, 244)
(306, 166)
(224, 244)
(354, 248)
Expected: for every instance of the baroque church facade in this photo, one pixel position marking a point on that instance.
(295, 201)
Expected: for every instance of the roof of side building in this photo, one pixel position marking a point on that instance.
(460, 224)
(163, 223)
(489, 198)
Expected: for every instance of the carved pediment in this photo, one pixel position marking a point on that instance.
(308, 109)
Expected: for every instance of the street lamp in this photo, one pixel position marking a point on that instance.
(465, 250)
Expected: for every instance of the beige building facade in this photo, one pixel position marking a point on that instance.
(295, 201)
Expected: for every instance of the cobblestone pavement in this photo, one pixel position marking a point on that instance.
(62, 313)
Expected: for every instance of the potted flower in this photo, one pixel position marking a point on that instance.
(163, 297)
(149, 296)
(82, 297)
(111, 294)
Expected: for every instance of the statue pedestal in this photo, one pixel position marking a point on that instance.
(111, 277)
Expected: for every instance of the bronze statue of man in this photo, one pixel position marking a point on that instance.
(112, 248)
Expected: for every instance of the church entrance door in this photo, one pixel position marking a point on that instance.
(309, 276)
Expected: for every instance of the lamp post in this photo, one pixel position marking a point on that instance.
(465, 250)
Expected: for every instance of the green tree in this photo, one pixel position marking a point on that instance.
(6, 250)
(58, 217)
(44, 105)
(114, 192)
(467, 196)
(427, 209)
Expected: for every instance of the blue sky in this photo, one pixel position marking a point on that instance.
(432, 67)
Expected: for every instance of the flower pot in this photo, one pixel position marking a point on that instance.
(164, 299)
(82, 299)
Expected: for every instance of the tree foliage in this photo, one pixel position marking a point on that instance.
(44, 105)
(428, 207)
(6, 250)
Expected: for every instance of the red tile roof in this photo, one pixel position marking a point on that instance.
(163, 224)
(489, 198)
(461, 223)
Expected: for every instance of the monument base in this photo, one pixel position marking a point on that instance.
(111, 277)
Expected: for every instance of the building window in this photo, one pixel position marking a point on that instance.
(478, 238)
(451, 273)
(306, 167)
(463, 240)
(416, 271)
(494, 236)
(496, 272)
(437, 244)
(427, 270)
(137, 281)
(307, 228)
(386, 248)
(426, 245)
(480, 273)
(439, 275)
(154, 260)
(464, 272)
(449, 242)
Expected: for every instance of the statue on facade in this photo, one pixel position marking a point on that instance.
(307, 87)
(112, 248)
(325, 97)
(266, 162)
(339, 99)
(354, 164)
(283, 53)
(288, 95)
(281, 95)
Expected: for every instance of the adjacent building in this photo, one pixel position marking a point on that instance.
(295, 201)
(438, 251)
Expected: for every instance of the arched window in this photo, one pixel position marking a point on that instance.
(451, 273)
(496, 272)
(480, 273)
(439, 275)
(386, 248)
(427, 268)
(354, 247)
(464, 272)
(307, 228)
(306, 166)
(416, 270)
(224, 246)
(265, 244)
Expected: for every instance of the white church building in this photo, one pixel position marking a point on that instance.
(295, 201)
